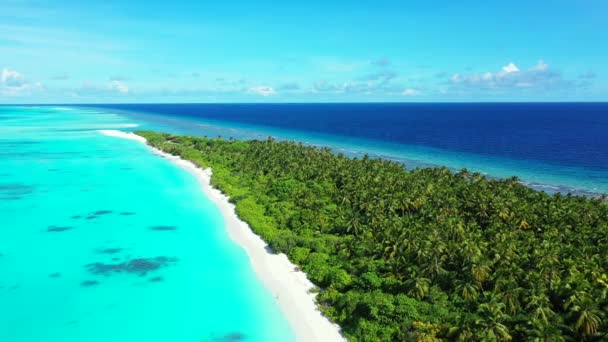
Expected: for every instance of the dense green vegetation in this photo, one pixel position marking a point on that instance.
(419, 255)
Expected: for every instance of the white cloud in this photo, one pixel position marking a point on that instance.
(326, 87)
(119, 86)
(375, 83)
(410, 92)
(381, 77)
(509, 68)
(12, 78)
(262, 90)
(511, 77)
(13, 83)
(540, 66)
(290, 86)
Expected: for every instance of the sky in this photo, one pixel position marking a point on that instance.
(307, 51)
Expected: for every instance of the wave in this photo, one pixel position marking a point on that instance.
(121, 134)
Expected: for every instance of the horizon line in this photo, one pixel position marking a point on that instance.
(298, 103)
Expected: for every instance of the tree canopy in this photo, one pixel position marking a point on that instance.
(421, 255)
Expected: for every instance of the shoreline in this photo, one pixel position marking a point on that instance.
(289, 287)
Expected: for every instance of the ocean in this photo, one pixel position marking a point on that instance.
(549, 146)
(102, 240)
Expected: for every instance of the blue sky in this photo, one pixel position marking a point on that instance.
(308, 51)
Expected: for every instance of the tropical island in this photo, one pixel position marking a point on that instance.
(425, 254)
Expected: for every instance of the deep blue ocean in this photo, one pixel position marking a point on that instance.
(573, 134)
(551, 146)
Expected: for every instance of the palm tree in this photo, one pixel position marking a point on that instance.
(588, 318)
(501, 261)
(490, 324)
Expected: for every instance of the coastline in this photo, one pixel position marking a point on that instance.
(290, 288)
(550, 177)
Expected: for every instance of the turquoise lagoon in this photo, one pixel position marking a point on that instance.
(102, 240)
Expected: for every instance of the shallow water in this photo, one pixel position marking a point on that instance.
(101, 240)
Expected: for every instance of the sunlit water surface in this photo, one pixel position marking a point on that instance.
(101, 240)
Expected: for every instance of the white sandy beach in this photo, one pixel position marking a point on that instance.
(290, 288)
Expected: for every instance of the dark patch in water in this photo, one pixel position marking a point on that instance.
(115, 259)
(19, 142)
(156, 279)
(102, 212)
(13, 186)
(91, 217)
(74, 322)
(18, 154)
(230, 337)
(109, 250)
(139, 266)
(55, 275)
(162, 228)
(15, 190)
(88, 283)
(76, 216)
(234, 337)
(53, 170)
(58, 229)
(10, 198)
(127, 213)
(126, 168)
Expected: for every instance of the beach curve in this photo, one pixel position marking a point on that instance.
(289, 286)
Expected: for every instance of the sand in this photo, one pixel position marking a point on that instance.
(291, 288)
